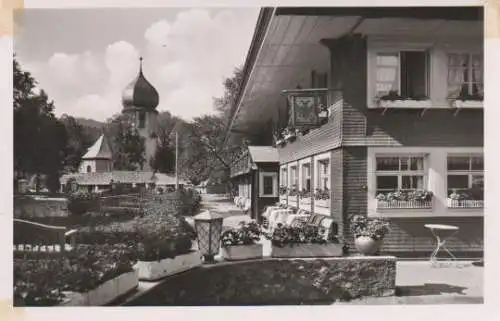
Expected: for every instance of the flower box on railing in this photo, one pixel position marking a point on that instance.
(467, 103)
(405, 103)
(404, 204)
(465, 203)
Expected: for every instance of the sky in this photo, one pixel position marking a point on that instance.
(84, 58)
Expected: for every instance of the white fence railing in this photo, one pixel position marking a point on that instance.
(465, 203)
(404, 204)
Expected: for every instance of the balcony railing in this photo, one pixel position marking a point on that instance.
(404, 204)
(465, 203)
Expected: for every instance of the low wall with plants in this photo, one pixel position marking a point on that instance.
(277, 281)
(27, 206)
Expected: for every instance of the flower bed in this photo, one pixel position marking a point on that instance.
(241, 243)
(47, 279)
(302, 241)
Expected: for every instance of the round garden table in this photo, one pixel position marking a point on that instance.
(441, 233)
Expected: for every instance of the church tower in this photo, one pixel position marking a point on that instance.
(139, 100)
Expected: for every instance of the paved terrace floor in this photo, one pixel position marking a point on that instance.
(417, 282)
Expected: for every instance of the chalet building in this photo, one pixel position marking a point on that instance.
(373, 111)
(255, 175)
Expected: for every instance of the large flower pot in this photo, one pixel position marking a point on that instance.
(242, 252)
(367, 246)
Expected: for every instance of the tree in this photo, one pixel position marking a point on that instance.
(79, 138)
(164, 159)
(39, 137)
(127, 145)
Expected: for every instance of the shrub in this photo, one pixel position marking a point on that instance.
(41, 278)
(80, 203)
(191, 201)
(155, 236)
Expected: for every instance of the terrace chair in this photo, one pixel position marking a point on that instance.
(32, 236)
(330, 226)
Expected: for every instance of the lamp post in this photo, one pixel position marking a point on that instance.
(208, 226)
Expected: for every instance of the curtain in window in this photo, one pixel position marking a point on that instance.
(457, 74)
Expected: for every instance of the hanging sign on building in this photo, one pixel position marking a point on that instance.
(304, 107)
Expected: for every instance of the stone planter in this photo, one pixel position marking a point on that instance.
(105, 293)
(155, 270)
(306, 250)
(367, 246)
(242, 252)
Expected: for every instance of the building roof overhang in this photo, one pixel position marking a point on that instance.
(288, 43)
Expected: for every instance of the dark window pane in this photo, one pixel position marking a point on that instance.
(142, 120)
(412, 182)
(387, 182)
(388, 163)
(458, 163)
(268, 185)
(458, 181)
(417, 163)
(413, 74)
(478, 181)
(477, 163)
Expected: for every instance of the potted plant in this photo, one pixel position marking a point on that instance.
(240, 243)
(304, 241)
(368, 233)
(292, 195)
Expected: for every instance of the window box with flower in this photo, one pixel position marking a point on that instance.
(241, 243)
(412, 199)
(466, 198)
(322, 198)
(293, 196)
(394, 100)
(305, 199)
(303, 241)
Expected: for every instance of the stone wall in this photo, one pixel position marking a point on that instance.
(277, 281)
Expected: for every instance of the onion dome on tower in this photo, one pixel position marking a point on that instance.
(140, 94)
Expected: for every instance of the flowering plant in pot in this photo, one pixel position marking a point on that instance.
(283, 190)
(368, 233)
(241, 243)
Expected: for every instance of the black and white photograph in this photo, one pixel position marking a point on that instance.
(248, 156)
